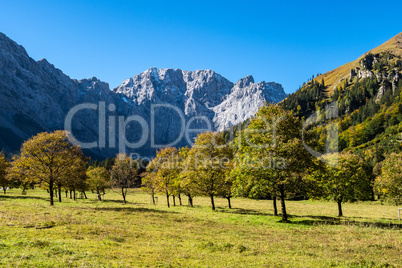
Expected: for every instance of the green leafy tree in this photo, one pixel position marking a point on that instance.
(208, 164)
(253, 177)
(226, 190)
(344, 178)
(270, 156)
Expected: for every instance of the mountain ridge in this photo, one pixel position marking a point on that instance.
(36, 96)
(334, 77)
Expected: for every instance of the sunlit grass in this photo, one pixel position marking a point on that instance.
(89, 233)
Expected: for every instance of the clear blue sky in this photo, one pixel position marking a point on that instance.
(281, 41)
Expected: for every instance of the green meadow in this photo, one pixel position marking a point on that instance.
(91, 233)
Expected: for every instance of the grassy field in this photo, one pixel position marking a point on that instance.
(89, 233)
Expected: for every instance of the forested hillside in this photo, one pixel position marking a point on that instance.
(369, 105)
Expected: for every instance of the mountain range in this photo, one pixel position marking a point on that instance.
(153, 109)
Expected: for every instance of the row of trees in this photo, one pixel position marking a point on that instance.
(201, 170)
(266, 160)
(51, 161)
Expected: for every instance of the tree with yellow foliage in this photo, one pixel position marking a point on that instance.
(208, 162)
(187, 177)
(49, 158)
(150, 184)
(98, 180)
(4, 164)
(344, 178)
(389, 183)
(124, 175)
(165, 167)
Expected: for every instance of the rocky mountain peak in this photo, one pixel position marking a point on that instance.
(8, 45)
(245, 82)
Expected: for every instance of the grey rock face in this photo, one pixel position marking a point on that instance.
(395, 82)
(380, 93)
(202, 92)
(365, 74)
(36, 97)
(353, 74)
(244, 101)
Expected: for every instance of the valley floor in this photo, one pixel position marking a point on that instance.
(90, 233)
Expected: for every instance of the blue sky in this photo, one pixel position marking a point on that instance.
(285, 42)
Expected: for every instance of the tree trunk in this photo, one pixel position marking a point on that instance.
(85, 195)
(71, 194)
(99, 195)
(174, 200)
(59, 193)
(212, 202)
(230, 205)
(5, 190)
(153, 196)
(55, 193)
(167, 199)
(51, 193)
(190, 200)
(66, 194)
(124, 196)
(75, 197)
(340, 214)
(372, 194)
(274, 204)
(283, 206)
(179, 196)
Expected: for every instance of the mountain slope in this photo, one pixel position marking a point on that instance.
(35, 96)
(334, 78)
(367, 96)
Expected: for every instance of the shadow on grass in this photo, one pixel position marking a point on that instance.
(243, 211)
(24, 197)
(115, 201)
(133, 210)
(323, 220)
